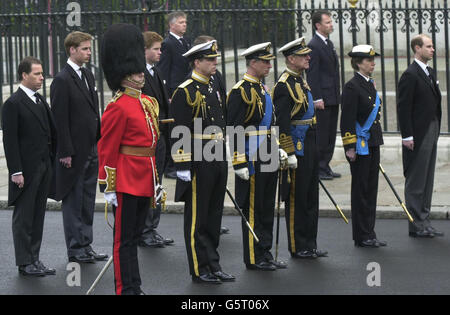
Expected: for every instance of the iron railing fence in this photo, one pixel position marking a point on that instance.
(31, 27)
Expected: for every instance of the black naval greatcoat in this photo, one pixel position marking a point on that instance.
(290, 97)
(197, 98)
(358, 101)
(246, 105)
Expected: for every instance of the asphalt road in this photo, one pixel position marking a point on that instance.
(407, 266)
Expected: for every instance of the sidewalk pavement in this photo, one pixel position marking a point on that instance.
(388, 206)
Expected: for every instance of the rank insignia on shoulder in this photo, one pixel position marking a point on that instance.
(237, 85)
(186, 83)
(284, 77)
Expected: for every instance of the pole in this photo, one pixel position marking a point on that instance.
(396, 195)
(280, 176)
(334, 202)
(236, 206)
(100, 275)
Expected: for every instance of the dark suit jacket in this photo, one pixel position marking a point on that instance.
(77, 119)
(358, 99)
(173, 66)
(418, 103)
(323, 72)
(155, 87)
(26, 136)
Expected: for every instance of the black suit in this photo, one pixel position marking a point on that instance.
(29, 140)
(75, 109)
(419, 115)
(155, 87)
(323, 78)
(173, 66)
(358, 99)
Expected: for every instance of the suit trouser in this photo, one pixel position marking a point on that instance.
(203, 216)
(154, 214)
(419, 180)
(78, 208)
(326, 127)
(259, 211)
(302, 206)
(128, 224)
(364, 193)
(28, 216)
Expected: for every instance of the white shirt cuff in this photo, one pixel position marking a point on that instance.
(18, 173)
(408, 139)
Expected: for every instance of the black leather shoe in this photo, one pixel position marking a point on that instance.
(434, 231)
(82, 259)
(324, 176)
(165, 241)
(304, 254)
(224, 230)
(209, 278)
(320, 253)
(98, 257)
(380, 243)
(31, 270)
(222, 276)
(151, 242)
(422, 234)
(278, 264)
(334, 175)
(47, 271)
(263, 265)
(367, 243)
(138, 291)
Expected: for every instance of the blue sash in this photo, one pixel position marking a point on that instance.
(363, 134)
(253, 142)
(298, 133)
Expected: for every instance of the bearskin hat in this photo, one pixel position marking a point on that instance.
(122, 53)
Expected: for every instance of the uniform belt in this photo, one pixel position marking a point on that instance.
(137, 151)
(258, 133)
(305, 122)
(215, 136)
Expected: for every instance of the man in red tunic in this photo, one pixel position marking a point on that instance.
(127, 149)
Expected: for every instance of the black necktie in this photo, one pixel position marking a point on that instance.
(83, 77)
(430, 74)
(330, 47)
(184, 43)
(42, 109)
(38, 99)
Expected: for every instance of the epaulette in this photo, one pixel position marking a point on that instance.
(284, 77)
(116, 97)
(185, 83)
(237, 85)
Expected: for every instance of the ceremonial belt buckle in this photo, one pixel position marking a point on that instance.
(214, 136)
(258, 133)
(305, 122)
(137, 151)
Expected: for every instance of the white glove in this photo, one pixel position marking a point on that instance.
(292, 161)
(185, 176)
(283, 155)
(243, 173)
(159, 192)
(111, 198)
